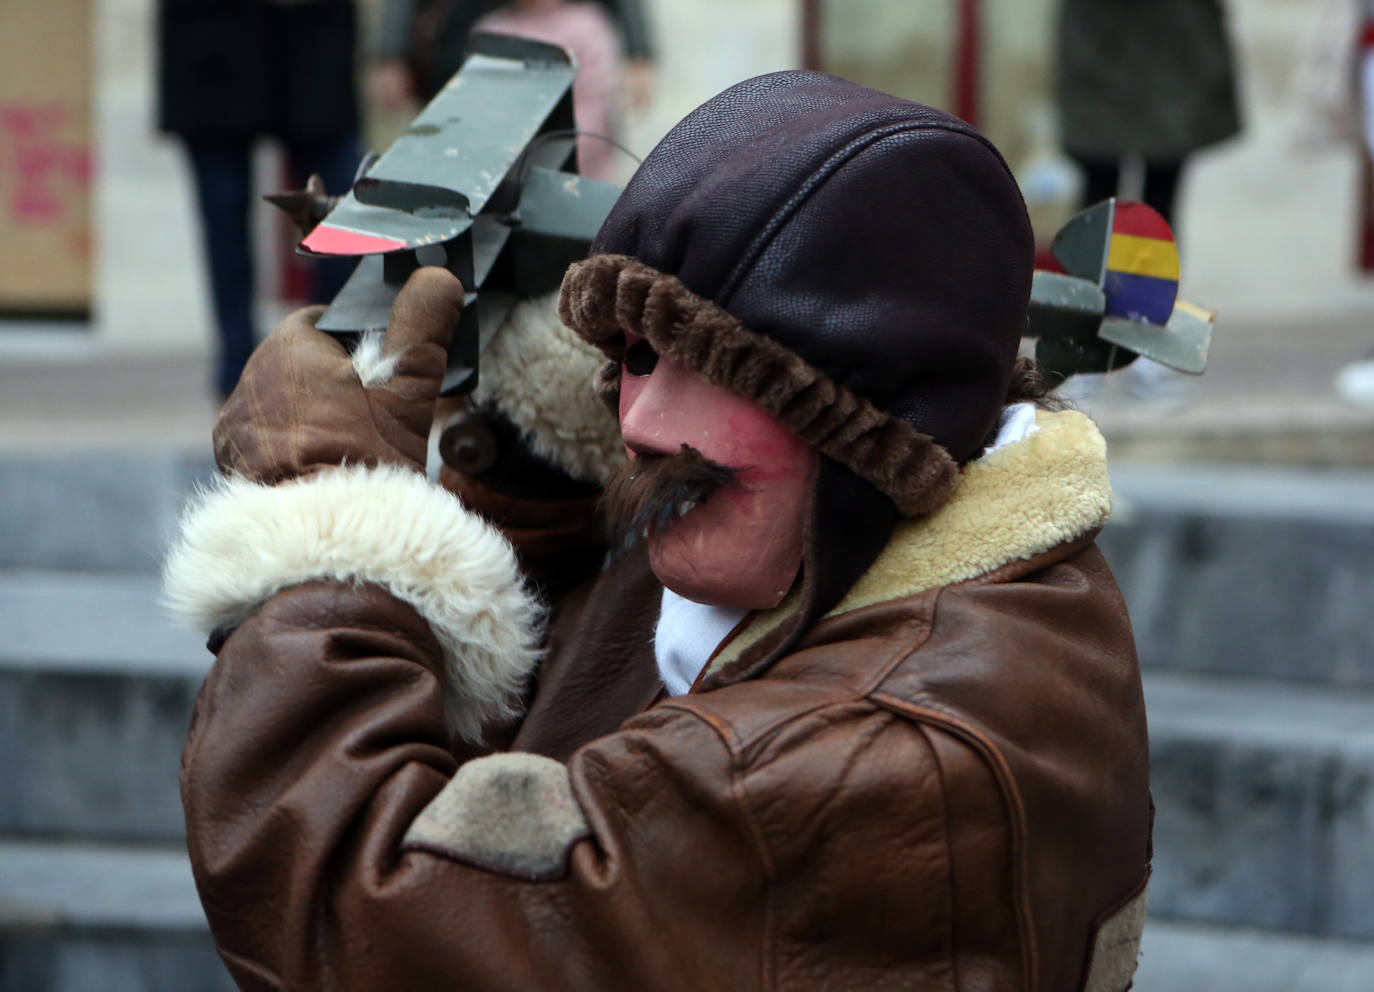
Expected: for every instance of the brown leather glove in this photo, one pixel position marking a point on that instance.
(301, 407)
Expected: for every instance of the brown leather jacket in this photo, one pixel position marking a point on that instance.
(943, 786)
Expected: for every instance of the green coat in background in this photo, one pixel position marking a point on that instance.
(1147, 77)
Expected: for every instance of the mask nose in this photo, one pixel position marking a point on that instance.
(654, 413)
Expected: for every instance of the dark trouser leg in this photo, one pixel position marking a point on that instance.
(335, 159)
(1102, 179)
(1161, 187)
(223, 179)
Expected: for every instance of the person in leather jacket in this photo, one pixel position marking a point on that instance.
(848, 697)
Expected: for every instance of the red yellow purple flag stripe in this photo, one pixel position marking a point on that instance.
(1141, 278)
(1134, 217)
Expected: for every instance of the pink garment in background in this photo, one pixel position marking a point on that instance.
(586, 31)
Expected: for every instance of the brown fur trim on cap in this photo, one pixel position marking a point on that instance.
(605, 294)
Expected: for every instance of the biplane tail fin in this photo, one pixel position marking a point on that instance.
(1116, 298)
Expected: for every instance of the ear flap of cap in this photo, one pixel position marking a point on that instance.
(849, 525)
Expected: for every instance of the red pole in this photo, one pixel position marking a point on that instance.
(811, 34)
(965, 89)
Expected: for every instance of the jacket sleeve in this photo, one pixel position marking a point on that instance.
(364, 616)
(775, 834)
(335, 844)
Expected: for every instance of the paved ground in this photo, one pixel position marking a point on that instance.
(1267, 234)
(1267, 397)
(159, 402)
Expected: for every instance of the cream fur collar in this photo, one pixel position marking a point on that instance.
(540, 374)
(1014, 503)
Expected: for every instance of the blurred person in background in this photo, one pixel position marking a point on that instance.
(1150, 81)
(1333, 95)
(585, 29)
(231, 72)
(420, 44)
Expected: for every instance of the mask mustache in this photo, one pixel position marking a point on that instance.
(650, 491)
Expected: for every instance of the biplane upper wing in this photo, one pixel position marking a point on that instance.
(444, 170)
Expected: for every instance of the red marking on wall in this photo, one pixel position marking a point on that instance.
(79, 244)
(40, 165)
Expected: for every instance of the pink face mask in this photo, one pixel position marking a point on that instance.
(742, 547)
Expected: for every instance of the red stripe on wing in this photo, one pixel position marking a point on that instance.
(327, 240)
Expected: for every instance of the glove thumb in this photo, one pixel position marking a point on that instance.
(423, 319)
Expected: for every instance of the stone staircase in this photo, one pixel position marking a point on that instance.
(96, 691)
(1252, 596)
(1251, 592)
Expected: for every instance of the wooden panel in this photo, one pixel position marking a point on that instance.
(46, 155)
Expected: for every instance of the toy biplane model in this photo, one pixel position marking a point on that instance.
(1116, 299)
(484, 182)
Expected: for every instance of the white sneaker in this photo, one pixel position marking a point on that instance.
(1154, 383)
(1079, 390)
(1355, 382)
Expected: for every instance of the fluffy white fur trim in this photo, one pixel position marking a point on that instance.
(372, 368)
(540, 374)
(242, 542)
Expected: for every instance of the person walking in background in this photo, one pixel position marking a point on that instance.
(420, 44)
(584, 29)
(1333, 96)
(231, 72)
(1153, 81)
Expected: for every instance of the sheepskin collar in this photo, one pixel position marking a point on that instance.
(1015, 503)
(562, 420)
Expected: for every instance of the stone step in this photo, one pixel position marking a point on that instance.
(1265, 804)
(94, 513)
(100, 918)
(1244, 571)
(96, 692)
(1227, 570)
(1189, 957)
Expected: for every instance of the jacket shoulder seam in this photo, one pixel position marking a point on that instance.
(951, 884)
(730, 741)
(929, 712)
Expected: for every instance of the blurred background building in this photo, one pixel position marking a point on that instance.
(1243, 538)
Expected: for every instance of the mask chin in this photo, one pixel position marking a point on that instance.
(849, 524)
(743, 547)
